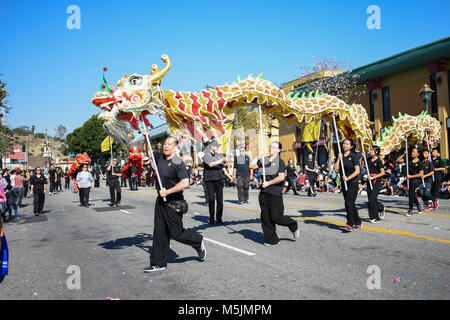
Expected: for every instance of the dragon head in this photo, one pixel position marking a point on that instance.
(134, 155)
(82, 158)
(134, 95)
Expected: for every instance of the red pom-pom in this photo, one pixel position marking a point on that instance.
(105, 69)
(103, 86)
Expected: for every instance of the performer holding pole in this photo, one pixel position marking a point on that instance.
(349, 173)
(339, 148)
(168, 216)
(375, 172)
(414, 169)
(271, 195)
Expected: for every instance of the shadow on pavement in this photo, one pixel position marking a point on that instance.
(138, 241)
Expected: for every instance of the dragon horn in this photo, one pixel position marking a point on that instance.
(158, 75)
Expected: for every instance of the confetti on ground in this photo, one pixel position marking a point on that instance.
(436, 276)
(397, 280)
(370, 254)
(144, 277)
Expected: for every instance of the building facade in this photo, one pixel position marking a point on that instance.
(392, 86)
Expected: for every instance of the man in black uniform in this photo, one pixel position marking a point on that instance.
(113, 172)
(291, 175)
(271, 195)
(242, 172)
(439, 169)
(214, 171)
(310, 168)
(168, 223)
(52, 178)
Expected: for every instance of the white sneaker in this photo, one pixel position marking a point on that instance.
(296, 234)
(153, 268)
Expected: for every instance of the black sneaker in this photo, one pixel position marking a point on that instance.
(153, 268)
(219, 221)
(202, 252)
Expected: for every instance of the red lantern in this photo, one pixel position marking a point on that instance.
(105, 69)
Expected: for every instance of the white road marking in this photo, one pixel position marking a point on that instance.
(230, 247)
(196, 213)
(125, 211)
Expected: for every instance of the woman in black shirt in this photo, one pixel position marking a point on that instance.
(38, 189)
(351, 167)
(375, 174)
(414, 176)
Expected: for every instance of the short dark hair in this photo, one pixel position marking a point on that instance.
(280, 146)
(376, 149)
(172, 137)
(350, 140)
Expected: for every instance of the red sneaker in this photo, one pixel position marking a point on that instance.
(435, 204)
(428, 208)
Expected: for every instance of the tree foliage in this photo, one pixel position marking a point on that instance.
(88, 138)
(333, 77)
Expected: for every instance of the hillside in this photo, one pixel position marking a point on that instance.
(36, 145)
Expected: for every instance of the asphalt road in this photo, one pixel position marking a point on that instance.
(111, 247)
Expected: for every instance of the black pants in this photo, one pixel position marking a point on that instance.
(205, 191)
(168, 224)
(58, 186)
(412, 197)
(25, 188)
(123, 182)
(436, 186)
(312, 182)
(84, 196)
(38, 200)
(215, 193)
(97, 183)
(291, 183)
(350, 199)
(67, 183)
(243, 184)
(52, 185)
(133, 182)
(272, 209)
(114, 189)
(375, 206)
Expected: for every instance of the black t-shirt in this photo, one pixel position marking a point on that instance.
(171, 172)
(38, 182)
(415, 168)
(350, 161)
(272, 168)
(427, 168)
(133, 171)
(114, 169)
(374, 166)
(241, 164)
(212, 173)
(51, 174)
(310, 164)
(290, 171)
(438, 163)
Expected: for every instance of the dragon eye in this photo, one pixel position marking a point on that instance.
(135, 80)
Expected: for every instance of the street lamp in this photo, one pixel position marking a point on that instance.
(425, 93)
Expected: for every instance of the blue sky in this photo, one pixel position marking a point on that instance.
(51, 72)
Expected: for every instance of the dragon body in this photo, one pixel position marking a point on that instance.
(202, 115)
(418, 129)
